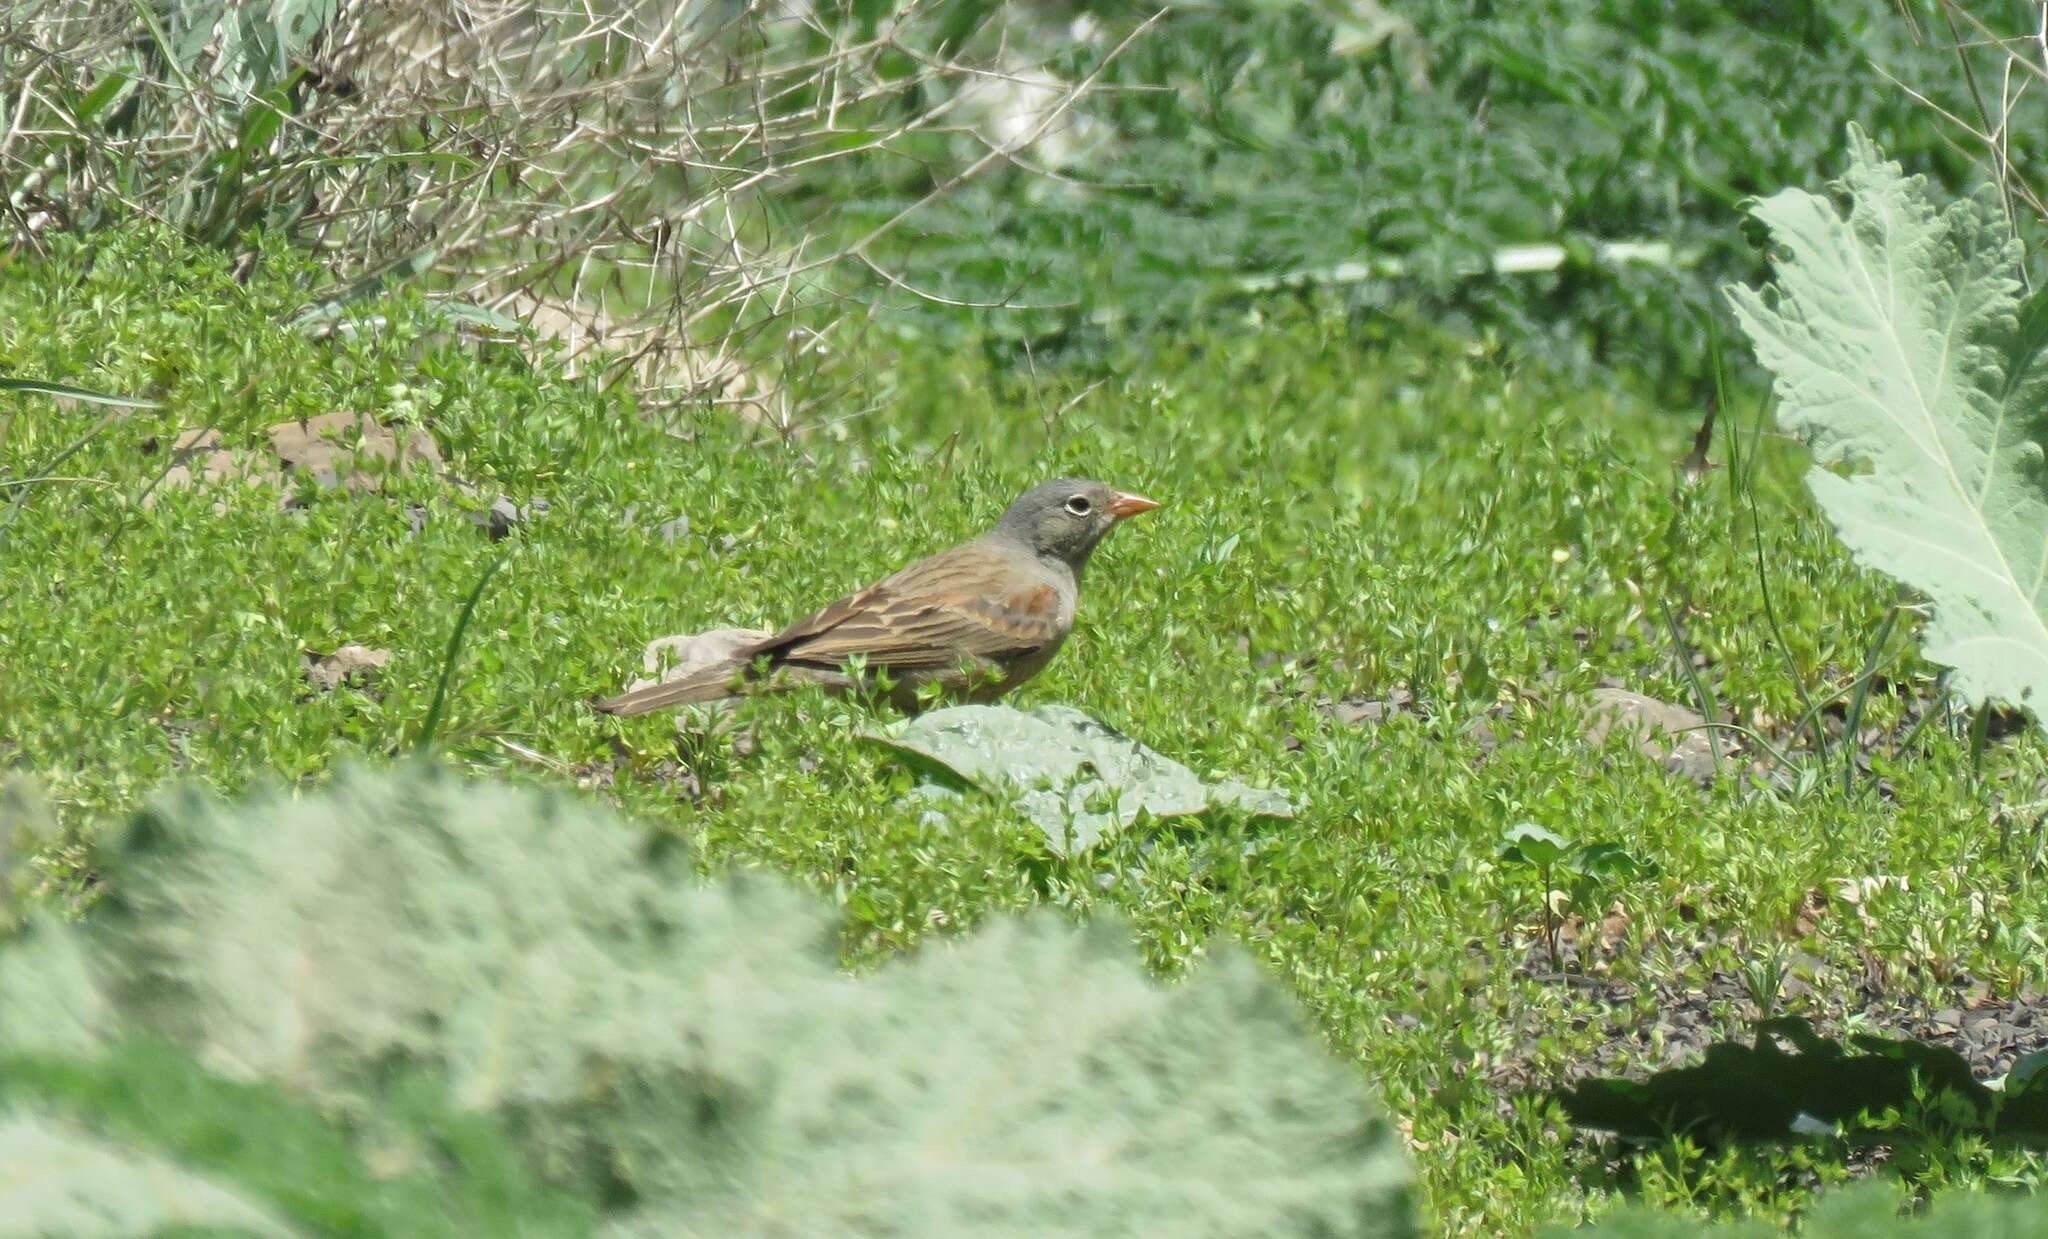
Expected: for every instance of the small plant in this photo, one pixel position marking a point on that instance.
(1764, 976)
(1589, 869)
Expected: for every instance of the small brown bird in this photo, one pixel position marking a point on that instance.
(977, 620)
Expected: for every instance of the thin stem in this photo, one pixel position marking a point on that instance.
(1852, 723)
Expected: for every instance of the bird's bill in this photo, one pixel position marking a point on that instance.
(1127, 504)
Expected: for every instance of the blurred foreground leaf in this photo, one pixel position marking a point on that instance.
(686, 1057)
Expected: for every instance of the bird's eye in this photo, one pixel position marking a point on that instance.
(1078, 505)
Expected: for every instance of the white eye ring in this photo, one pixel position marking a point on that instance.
(1078, 505)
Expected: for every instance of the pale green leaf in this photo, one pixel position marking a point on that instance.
(1073, 776)
(58, 1181)
(549, 962)
(49, 1003)
(690, 1055)
(1031, 1081)
(1888, 332)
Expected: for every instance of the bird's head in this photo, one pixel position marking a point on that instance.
(1064, 519)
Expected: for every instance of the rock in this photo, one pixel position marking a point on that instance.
(498, 520)
(1671, 734)
(671, 658)
(351, 665)
(199, 458)
(332, 447)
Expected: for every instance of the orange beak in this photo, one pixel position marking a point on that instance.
(1127, 504)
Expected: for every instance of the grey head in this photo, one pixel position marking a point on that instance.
(1063, 520)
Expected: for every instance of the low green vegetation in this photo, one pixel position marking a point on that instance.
(1564, 175)
(1394, 570)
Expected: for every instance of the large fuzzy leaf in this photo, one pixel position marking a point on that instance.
(59, 1181)
(1891, 333)
(49, 1003)
(688, 1056)
(1031, 1081)
(560, 969)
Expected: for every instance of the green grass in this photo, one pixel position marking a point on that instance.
(1352, 509)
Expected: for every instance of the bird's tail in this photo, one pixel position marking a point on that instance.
(713, 683)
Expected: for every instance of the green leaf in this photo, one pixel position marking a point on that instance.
(61, 1181)
(1075, 777)
(1888, 333)
(2029, 1075)
(690, 1057)
(49, 1002)
(39, 388)
(1609, 862)
(96, 99)
(478, 318)
(325, 313)
(419, 1169)
(262, 116)
(1526, 843)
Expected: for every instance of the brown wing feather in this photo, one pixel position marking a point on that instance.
(963, 604)
(972, 603)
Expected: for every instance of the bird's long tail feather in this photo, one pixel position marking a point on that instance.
(714, 683)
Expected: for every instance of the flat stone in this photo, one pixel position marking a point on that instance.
(333, 447)
(1670, 734)
(352, 665)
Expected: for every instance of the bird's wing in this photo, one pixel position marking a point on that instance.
(959, 605)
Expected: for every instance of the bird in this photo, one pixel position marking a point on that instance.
(976, 620)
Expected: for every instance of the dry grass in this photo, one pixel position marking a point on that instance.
(625, 177)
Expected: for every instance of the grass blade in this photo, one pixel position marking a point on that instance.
(1852, 723)
(1703, 697)
(432, 726)
(24, 490)
(36, 387)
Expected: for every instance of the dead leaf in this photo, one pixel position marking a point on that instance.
(1806, 917)
(592, 341)
(1357, 711)
(1614, 929)
(1695, 465)
(1856, 890)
